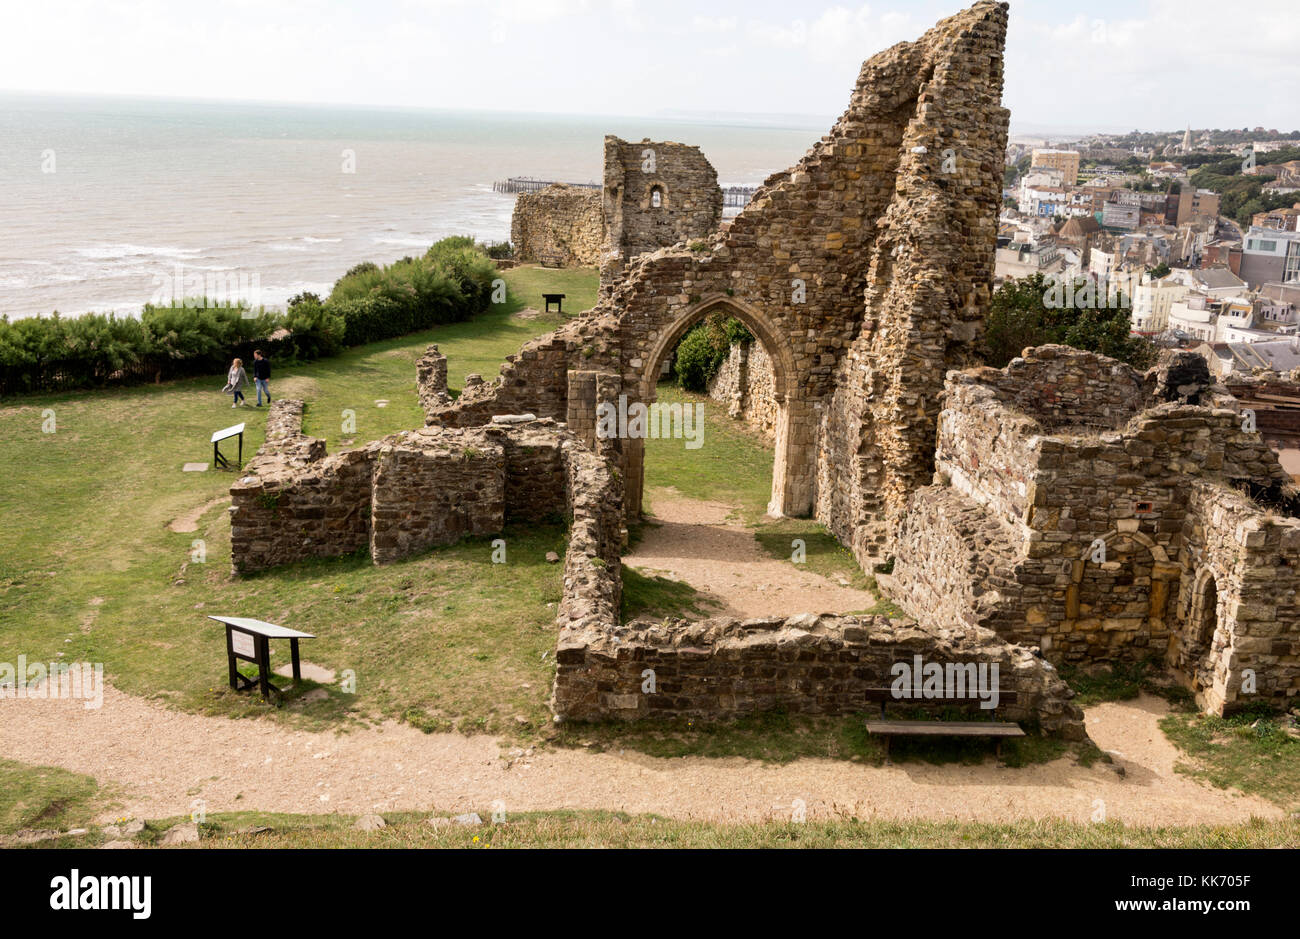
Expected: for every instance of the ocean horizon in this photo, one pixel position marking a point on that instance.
(113, 202)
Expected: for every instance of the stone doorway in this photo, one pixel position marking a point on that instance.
(793, 471)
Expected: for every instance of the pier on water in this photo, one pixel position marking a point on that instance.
(732, 196)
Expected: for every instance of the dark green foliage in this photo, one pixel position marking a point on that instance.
(452, 282)
(705, 347)
(1028, 311)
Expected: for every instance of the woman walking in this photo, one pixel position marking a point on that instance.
(235, 381)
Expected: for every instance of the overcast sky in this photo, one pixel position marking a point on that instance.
(1105, 64)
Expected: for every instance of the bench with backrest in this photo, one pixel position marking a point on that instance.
(888, 729)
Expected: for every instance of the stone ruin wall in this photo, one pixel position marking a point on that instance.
(560, 223)
(1003, 539)
(936, 106)
(403, 494)
(719, 669)
(746, 385)
(690, 200)
(431, 380)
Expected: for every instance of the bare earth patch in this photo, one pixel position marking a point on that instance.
(190, 520)
(694, 541)
(163, 760)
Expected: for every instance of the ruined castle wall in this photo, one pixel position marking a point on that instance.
(959, 564)
(719, 669)
(559, 223)
(933, 110)
(746, 386)
(689, 200)
(1061, 387)
(985, 450)
(431, 381)
(1239, 603)
(282, 512)
(435, 492)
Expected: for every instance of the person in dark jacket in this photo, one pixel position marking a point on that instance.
(261, 376)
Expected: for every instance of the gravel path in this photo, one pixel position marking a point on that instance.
(693, 541)
(161, 761)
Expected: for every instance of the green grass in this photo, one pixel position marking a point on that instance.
(44, 797)
(89, 570)
(1123, 682)
(579, 286)
(647, 595)
(732, 465)
(1250, 751)
(601, 829)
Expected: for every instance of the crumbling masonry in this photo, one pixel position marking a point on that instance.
(865, 274)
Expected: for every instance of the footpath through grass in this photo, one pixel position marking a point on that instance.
(54, 800)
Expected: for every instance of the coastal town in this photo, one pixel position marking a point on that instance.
(1196, 234)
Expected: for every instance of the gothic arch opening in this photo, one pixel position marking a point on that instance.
(794, 458)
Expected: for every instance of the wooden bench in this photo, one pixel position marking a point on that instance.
(557, 299)
(888, 729)
(550, 260)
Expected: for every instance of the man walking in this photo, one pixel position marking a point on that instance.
(261, 376)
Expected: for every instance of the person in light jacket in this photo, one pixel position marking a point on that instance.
(236, 379)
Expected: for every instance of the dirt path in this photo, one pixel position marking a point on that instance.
(692, 541)
(164, 760)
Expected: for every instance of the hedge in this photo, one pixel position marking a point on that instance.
(451, 282)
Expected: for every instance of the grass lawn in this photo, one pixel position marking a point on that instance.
(89, 570)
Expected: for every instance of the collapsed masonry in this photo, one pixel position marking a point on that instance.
(865, 274)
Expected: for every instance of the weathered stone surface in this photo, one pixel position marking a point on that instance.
(370, 823)
(560, 223)
(1075, 509)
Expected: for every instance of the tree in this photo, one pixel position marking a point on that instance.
(1036, 310)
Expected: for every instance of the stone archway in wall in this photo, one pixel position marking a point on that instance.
(795, 457)
(1116, 584)
(1201, 623)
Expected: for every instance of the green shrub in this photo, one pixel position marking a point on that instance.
(451, 282)
(705, 347)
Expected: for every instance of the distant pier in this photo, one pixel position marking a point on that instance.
(528, 184)
(732, 196)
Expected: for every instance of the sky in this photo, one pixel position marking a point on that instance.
(1098, 65)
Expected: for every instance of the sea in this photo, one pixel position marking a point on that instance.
(109, 203)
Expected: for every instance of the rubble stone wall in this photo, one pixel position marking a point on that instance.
(689, 203)
(1099, 545)
(431, 381)
(719, 669)
(559, 223)
(746, 384)
(435, 493)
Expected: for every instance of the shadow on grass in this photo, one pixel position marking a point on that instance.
(778, 737)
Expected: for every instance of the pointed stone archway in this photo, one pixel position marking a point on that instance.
(793, 471)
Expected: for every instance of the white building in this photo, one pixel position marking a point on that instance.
(1152, 301)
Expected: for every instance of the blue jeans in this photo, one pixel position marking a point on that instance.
(239, 396)
(263, 387)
